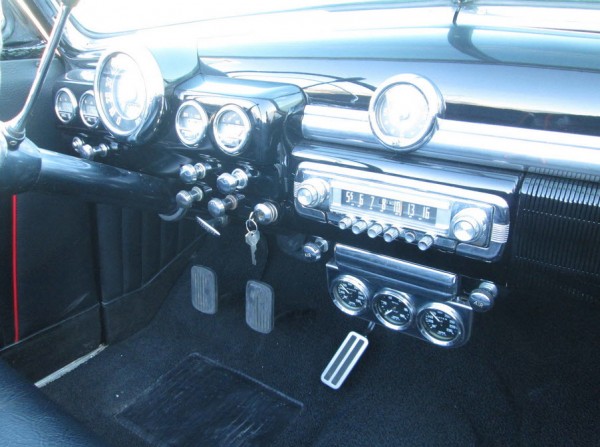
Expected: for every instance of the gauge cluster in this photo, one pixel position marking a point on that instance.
(401, 296)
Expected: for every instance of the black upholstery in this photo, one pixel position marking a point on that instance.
(28, 418)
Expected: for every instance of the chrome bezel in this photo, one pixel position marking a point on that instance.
(452, 313)
(338, 301)
(435, 106)
(74, 103)
(81, 114)
(154, 105)
(246, 122)
(198, 107)
(404, 298)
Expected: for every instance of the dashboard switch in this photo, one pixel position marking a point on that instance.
(483, 297)
(191, 173)
(266, 213)
(218, 207)
(312, 192)
(186, 199)
(236, 181)
(313, 251)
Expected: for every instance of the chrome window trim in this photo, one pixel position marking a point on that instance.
(481, 144)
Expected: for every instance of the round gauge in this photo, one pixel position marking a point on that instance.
(231, 129)
(440, 324)
(65, 105)
(129, 94)
(394, 309)
(404, 110)
(87, 109)
(350, 294)
(191, 122)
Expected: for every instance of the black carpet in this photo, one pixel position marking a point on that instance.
(529, 375)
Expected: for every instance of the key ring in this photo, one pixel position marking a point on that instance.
(251, 222)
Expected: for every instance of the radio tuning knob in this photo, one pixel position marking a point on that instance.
(312, 192)
(469, 224)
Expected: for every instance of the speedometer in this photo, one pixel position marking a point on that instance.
(129, 92)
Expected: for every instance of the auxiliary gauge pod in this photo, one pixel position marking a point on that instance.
(25, 167)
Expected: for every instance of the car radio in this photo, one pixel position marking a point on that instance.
(466, 222)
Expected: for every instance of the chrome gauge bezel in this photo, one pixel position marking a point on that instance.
(81, 112)
(425, 332)
(247, 123)
(73, 101)
(358, 284)
(153, 106)
(403, 298)
(204, 116)
(435, 108)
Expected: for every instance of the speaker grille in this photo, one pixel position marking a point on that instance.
(557, 237)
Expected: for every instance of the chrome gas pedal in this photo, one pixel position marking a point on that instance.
(205, 294)
(344, 360)
(260, 306)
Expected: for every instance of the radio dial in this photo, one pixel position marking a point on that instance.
(312, 192)
(469, 224)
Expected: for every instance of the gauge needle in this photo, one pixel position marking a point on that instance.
(435, 318)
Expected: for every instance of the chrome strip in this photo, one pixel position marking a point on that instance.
(482, 144)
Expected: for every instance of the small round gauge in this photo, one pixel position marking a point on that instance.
(440, 324)
(350, 294)
(65, 105)
(87, 109)
(129, 92)
(191, 123)
(394, 309)
(231, 129)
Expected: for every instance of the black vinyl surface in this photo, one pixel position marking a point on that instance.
(529, 375)
(200, 402)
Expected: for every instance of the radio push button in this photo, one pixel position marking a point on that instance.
(375, 230)
(391, 234)
(312, 192)
(410, 236)
(426, 242)
(360, 226)
(469, 224)
(346, 222)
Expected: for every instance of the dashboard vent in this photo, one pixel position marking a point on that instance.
(557, 238)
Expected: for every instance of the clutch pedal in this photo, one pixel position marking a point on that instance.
(205, 296)
(344, 360)
(260, 306)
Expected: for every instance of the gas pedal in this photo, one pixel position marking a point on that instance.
(344, 360)
(205, 295)
(260, 306)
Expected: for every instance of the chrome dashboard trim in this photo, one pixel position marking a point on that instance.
(481, 144)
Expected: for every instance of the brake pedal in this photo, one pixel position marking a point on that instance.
(205, 296)
(344, 360)
(260, 306)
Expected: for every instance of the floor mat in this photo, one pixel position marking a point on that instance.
(202, 403)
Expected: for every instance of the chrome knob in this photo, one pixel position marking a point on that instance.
(186, 199)
(360, 226)
(391, 234)
(346, 222)
(265, 213)
(192, 173)
(313, 251)
(469, 224)
(312, 192)
(482, 298)
(237, 180)
(375, 230)
(410, 236)
(218, 207)
(426, 242)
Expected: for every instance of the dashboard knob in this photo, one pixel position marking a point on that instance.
(360, 226)
(312, 192)
(236, 181)
(426, 242)
(391, 234)
(410, 236)
(346, 223)
(265, 213)
(469, 224)
(186, 199)
(218, 207)
(482, 298)
(191, 173)
(313, 251)
(375, 230)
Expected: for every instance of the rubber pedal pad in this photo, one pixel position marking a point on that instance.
(260, 306)
(344, 360)
(205, 292)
